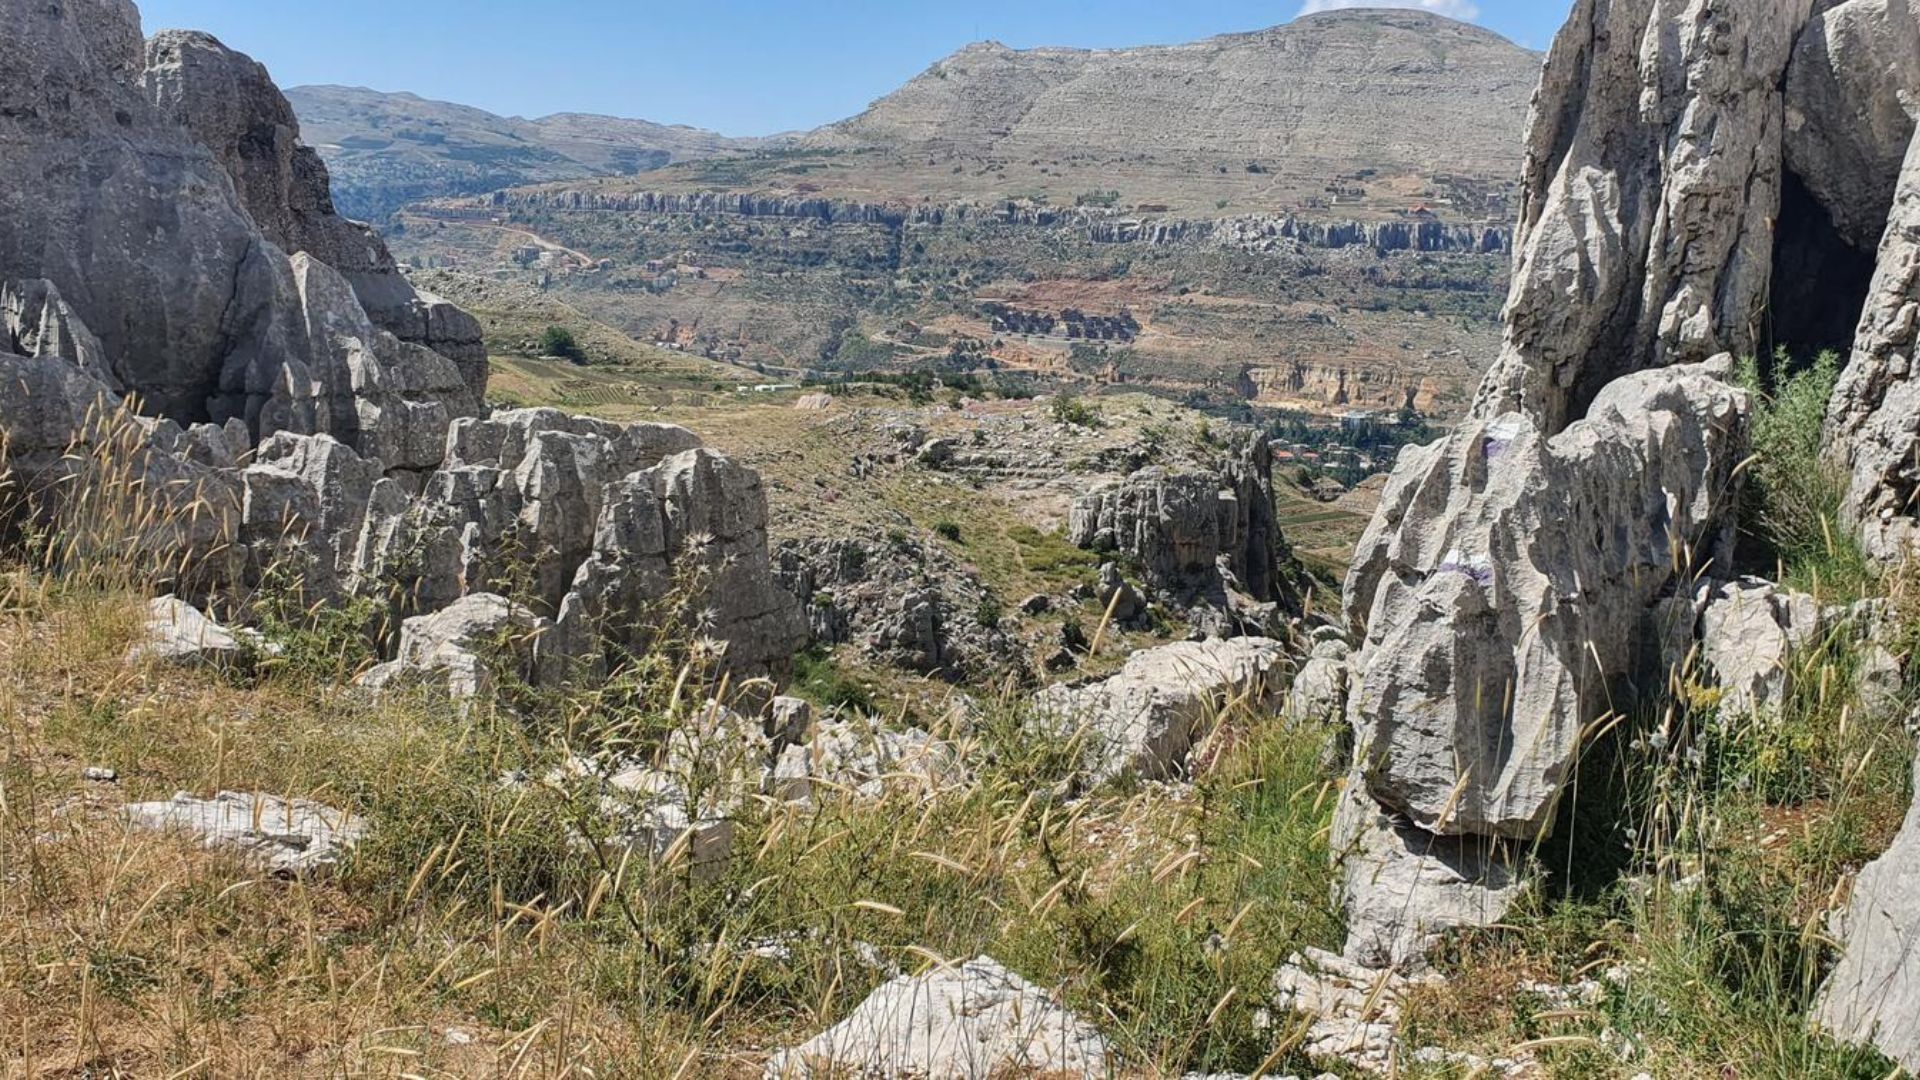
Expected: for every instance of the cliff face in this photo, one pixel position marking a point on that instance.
(1255, 233)
(1703, 180)
(1326, 386)
(1359, 89)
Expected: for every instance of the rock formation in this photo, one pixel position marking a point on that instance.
(1200, 537)
(167, 242)
(285, 837)
(968, 1022)
(1146, 720)
(1873, 994)
(1701, 179)
(906, 603)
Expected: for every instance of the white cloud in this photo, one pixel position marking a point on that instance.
(1464, 10)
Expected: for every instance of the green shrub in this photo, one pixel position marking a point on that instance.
(559, 341)
(948, 530)
(1070, 410)
(1794, 494)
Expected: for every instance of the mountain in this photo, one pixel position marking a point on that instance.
(1346, 90)
(388, 149)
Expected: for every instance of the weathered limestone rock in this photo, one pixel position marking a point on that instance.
(286, 837)
(1503, 585)
(138, 229)
(70, 446)
(864, 758)
(1748, 634)
(1197, 535)
(1873, 995)
(907, 603)
(1652, 180)
(1403, 887)
(1873, 423)
(231, 105)
(35, 321)
(1319, 691)
(177, 633)
(1146, 719)
(459, 646)
(972, 1022)
(1852, 91)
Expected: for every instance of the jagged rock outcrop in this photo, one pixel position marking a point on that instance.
(231, 105)
(1198, 536)
(905, 602)
(139, 228)
(1873, 995)
(1146, 720)
(167, 243)
(1872, 428)
(1701, 178)
(1653, 177)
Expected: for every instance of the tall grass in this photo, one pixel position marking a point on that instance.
(487, 926)
(1793, 510)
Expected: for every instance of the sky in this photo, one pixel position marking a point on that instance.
(740, 67)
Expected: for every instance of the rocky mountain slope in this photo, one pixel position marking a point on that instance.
(1346, 90)
(389, 149)
(1503, 607)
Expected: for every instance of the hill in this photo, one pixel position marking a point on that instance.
(1334, 93)
(388, 149)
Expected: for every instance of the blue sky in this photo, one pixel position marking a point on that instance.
(742, 67)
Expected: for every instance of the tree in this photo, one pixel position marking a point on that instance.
(559, 341)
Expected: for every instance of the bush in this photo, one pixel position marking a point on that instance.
(1794, 494)
(559, 341)
(948, 530)
(1073, 412)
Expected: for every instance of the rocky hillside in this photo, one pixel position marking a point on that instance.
(387, 150)
(1387, 90)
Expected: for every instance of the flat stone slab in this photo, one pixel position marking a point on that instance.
(289, 837)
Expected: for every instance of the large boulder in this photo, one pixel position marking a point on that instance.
(1146, 719)
(1504, 583)
(1873, 995)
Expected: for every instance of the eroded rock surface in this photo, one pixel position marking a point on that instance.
(1200, 537)
(1503, 584)
(974, 1021)
(1146, 719)
(287, 837)
(1873, 995)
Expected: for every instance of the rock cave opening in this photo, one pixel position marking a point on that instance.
(1820, 281)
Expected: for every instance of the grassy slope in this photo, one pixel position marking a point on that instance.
(470, 914)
